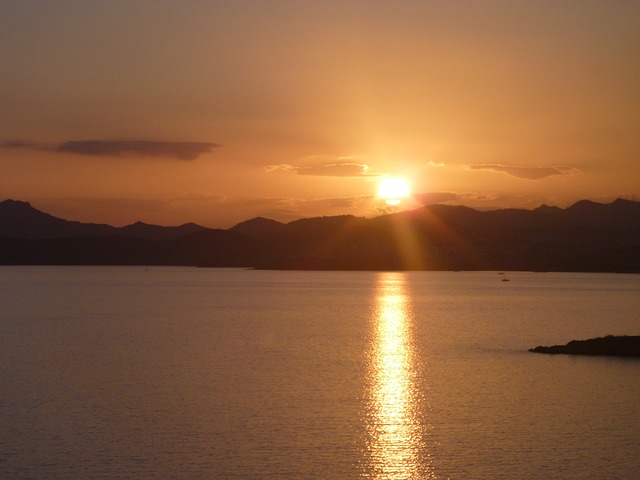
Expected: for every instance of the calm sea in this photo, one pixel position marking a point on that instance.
(184, 373)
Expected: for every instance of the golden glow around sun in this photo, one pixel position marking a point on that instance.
(393, 190)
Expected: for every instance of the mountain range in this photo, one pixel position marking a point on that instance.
(586, 236)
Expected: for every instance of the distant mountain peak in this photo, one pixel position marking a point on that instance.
(624, 201)
(582, 204)
(15, 203)
(544, 208)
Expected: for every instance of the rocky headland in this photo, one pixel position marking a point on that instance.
(614, 346)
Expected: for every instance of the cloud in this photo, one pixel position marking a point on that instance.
(286, 209)
(111, 203)
(528, 173)
(430, 198)
(344, 169)
(319, 204)
(482, 200)
(139, 148)
(343, 202)
(282, 167)
(198, 198)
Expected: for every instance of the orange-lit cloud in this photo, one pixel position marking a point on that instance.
(346, 169)
(431, 198)
(529, 172)
(471, 199)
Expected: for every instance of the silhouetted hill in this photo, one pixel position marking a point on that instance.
(257, 226)
(157, 232)
(584, 237)
(21, 220)
(313, 243)
(442, 237)
(620, 215)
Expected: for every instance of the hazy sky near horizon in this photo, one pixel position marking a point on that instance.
(218, 111)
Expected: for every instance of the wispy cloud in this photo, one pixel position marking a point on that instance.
(286, 209)
(430, 198)
(529, 172)
(344, 169)
(112, 148)
(481, 200)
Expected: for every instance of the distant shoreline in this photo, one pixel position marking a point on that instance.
(586, 237)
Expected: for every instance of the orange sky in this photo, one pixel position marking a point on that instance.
(216, 111)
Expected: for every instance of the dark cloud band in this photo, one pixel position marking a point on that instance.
(142, 148)
(138, 148)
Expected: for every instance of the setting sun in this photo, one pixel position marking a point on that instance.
(393, 190)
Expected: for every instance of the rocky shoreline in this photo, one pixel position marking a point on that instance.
(615, 346)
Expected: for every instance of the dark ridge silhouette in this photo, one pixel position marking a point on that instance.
(157, 232)
(619, 215)
(615, 346)
(586, 237)
(21, 220)
(442, 237)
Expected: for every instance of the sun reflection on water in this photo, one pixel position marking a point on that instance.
(396, 433)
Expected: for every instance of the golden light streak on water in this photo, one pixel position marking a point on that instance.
(395, 429)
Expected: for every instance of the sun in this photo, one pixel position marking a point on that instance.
(393, 190)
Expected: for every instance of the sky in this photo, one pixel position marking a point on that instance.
(215, 112)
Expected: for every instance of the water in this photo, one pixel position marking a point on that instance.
(203, 373)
